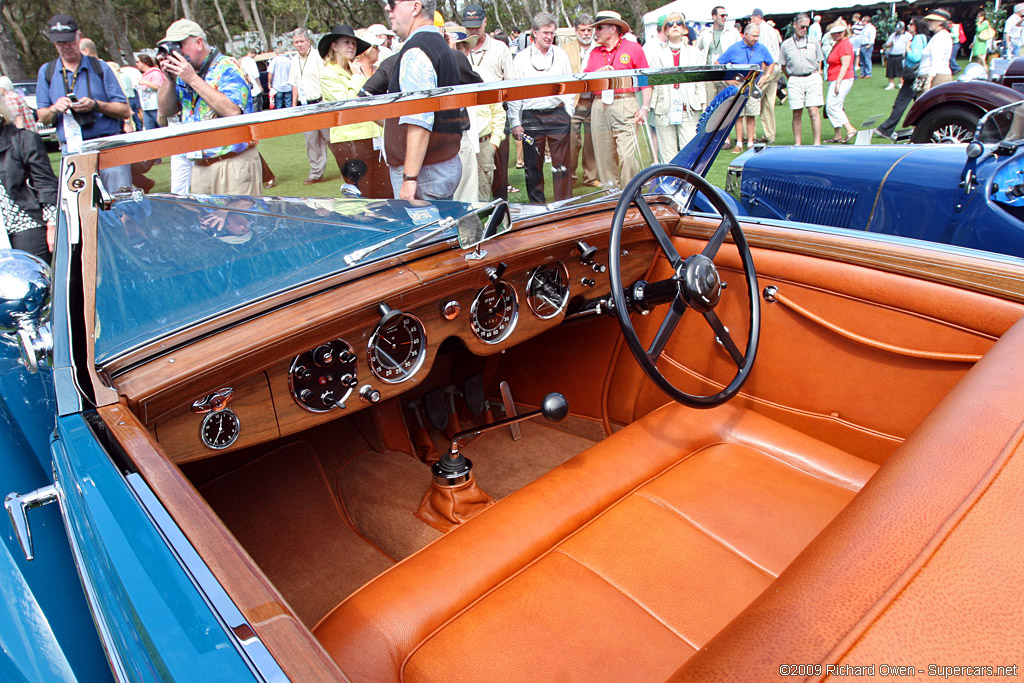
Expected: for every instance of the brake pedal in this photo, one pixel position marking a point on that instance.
(435, 403)
(473, 391)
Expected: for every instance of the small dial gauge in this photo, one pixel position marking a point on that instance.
(220, 429)
(322, 379)
(494, 312)
(397, 348)
(548, 290)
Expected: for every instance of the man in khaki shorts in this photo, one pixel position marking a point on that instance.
(801, 58)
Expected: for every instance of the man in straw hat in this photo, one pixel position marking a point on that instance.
(615, 114)
(203, 84)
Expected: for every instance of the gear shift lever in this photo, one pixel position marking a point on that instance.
(454, 468)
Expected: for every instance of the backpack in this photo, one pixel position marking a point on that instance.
(960, 32)
(94, 62)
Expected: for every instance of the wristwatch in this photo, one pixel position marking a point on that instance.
(409, 177)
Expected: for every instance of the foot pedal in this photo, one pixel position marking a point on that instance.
(435, 403)
(510, 410)
(473, 391)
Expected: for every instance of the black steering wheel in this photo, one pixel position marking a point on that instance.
(695, 284)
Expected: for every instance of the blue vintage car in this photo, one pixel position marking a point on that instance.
(966, 195)
(624, 435)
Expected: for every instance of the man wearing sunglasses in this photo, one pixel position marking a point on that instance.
(713, 41)
(423, 149)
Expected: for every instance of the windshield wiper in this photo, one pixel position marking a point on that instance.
(443, 224)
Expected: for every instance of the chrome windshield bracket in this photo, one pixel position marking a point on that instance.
(18, 506)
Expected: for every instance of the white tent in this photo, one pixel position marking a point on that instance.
(700, 10)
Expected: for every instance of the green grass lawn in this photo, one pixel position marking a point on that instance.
(287, 155)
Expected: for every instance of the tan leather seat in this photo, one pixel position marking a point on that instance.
(597, 572)
(618, 565)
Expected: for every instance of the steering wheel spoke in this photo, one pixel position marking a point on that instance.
(717, 238)
(660, 235)
(697, 281)
(668, 326)
(723, 337)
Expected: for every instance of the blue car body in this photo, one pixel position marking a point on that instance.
(915, 191)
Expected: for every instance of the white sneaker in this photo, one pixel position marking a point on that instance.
(890, 87)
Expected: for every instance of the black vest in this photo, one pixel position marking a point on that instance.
(448, 125)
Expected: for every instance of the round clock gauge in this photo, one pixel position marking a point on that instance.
(220, 429)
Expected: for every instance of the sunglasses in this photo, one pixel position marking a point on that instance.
(803, 25)
(392, 4)
(670, 24)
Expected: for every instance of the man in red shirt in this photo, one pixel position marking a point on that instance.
(615, 115)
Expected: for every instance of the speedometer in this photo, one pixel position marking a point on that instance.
(494, 312)
(397, 348)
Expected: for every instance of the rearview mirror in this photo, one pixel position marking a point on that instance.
(487, 223)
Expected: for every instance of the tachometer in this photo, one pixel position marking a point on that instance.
(494, 312)
(547, 292)
(397, 347)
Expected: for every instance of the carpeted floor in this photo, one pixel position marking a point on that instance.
(281, 509)
(381, 491)
(323, 516)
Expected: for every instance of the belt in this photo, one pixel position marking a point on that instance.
(210, 161)
(316, 101)
(625, 94)
(485, 138)
(809, 73)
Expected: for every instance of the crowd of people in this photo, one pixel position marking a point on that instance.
(591, 139)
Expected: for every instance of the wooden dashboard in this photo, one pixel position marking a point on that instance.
(254, 357)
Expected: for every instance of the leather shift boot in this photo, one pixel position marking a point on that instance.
(446, 507)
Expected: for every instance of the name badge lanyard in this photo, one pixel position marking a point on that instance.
(72, 130)
(608, 96)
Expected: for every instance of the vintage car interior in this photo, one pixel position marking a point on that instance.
(618, 439)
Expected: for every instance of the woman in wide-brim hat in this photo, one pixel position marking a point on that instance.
(935, 68)
(341, 80)
(339, 31)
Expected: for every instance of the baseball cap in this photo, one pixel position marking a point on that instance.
(757, 13)
(379, 30)
(182, 29)
(473, 16)
(62, 27)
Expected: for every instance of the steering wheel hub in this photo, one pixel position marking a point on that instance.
(700, 283)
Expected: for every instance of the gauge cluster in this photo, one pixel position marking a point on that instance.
(376, 354)
(322, 379)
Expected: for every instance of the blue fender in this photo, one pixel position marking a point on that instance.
(46, 630)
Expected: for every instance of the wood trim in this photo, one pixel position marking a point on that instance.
(82, 173)
(996, 277)
(270, 341)
(299, 654)
(260, 126)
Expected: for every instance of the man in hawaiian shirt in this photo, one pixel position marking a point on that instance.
(203, 85)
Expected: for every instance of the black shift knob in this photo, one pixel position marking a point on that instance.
(554, 407)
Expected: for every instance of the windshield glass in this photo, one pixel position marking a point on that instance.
(167, 262)
(1003, 124)
(170, 257)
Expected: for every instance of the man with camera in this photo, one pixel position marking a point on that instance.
(202, 84)
(82, 97)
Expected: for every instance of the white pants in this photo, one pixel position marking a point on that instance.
(673, 137)
(834, 103)
(469, 187)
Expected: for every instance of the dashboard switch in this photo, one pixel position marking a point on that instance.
(369, 394)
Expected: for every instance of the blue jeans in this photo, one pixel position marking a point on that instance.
(133, 102)
(149, 117)
(953, 66)
(434, 181)
(865, 60)
(283, 99)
